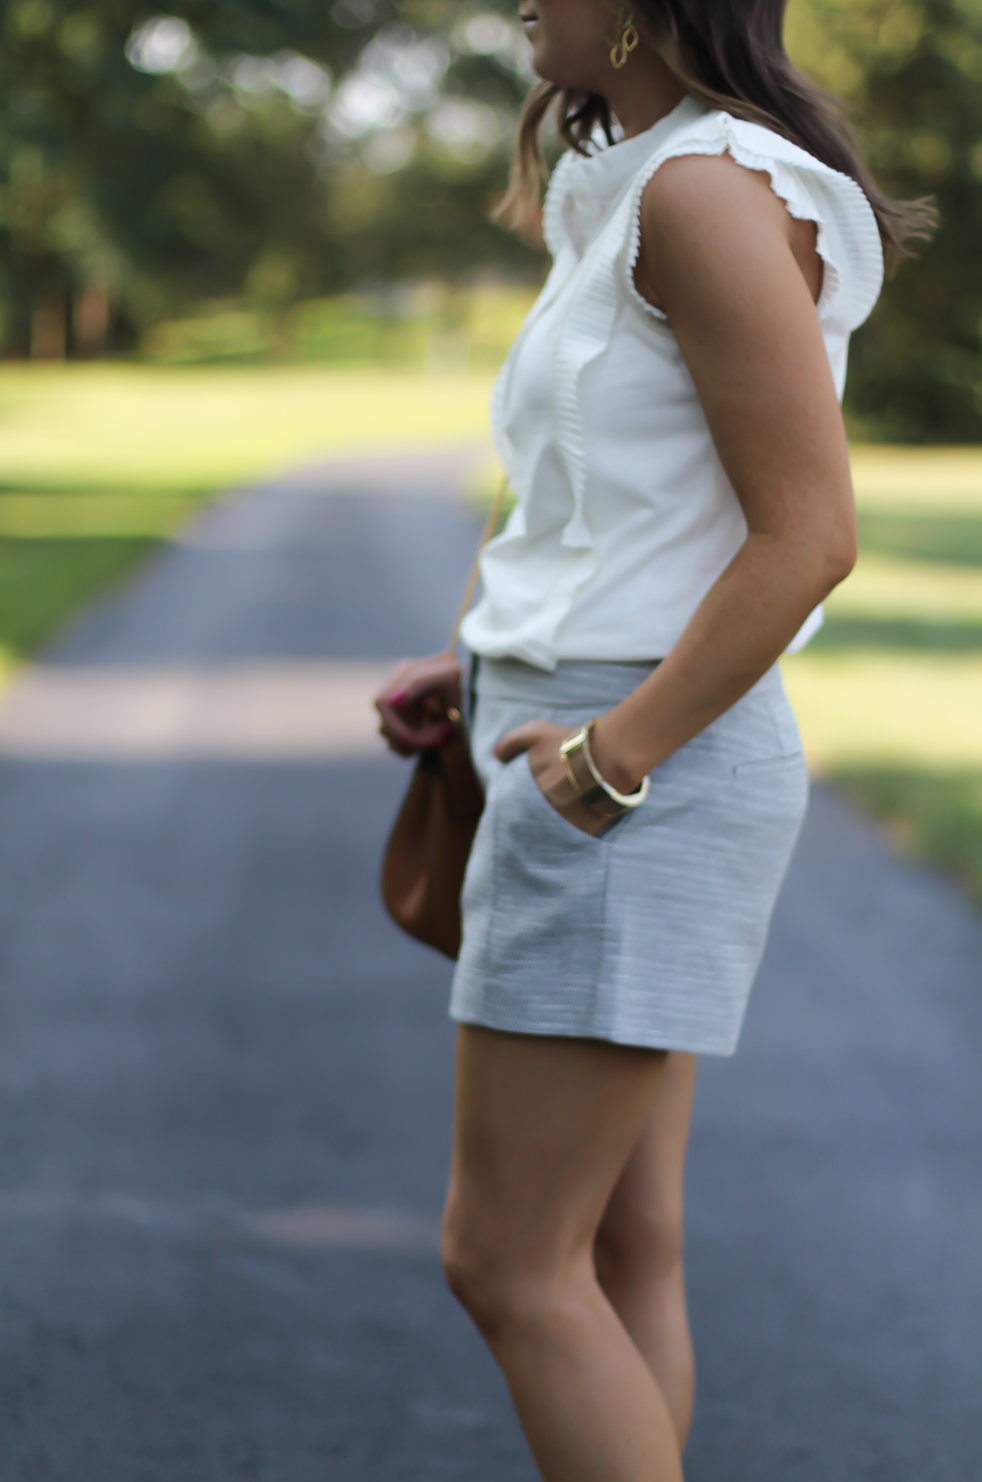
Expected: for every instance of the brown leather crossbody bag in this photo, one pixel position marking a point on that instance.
(426, 856)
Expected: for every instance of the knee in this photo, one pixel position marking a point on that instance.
(640, 1248)
(476, 1276)
(499, 1294)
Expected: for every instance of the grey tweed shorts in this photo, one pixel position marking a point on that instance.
(652, 934)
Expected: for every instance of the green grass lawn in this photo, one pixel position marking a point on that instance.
(99, 465)
(889, 694)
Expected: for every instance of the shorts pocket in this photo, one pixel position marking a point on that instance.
(787, 761)
(539, 798)
(549, 883)
(773, 788)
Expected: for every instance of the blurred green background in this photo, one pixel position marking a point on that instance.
(241, 233)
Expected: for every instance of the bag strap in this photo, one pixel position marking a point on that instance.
(489, 529)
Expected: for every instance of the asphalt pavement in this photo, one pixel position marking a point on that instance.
(225, 1079)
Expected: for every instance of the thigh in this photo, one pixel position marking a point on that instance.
(642, 1221)
(543, 1127)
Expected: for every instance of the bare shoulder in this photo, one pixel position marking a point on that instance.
(693, 193)
(701, 212)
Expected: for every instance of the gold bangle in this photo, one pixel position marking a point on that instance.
(584, 786)
(573, 782)
(593, 790)
(626, 800)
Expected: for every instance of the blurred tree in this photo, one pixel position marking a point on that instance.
(272, 150)
(131, 178)
(911, 73)
(148, 164)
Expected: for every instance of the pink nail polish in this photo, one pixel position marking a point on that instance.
(397, 697)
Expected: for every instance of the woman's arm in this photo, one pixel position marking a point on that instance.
(722, 257)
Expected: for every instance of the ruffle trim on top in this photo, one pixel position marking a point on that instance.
(552, 228)
(593, 309)
(850, 286)
(606, 171)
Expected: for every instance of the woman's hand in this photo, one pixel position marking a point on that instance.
(542, 741)
(414, 701)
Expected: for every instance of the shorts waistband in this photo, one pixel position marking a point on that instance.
(572, 682)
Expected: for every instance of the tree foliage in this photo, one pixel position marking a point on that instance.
(911, 73)
(272, 150)
(230, 149)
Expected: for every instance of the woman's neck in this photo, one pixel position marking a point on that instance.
(642, 92)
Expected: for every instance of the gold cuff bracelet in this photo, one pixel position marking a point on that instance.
(592, 789)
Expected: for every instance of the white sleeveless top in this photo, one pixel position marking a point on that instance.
(625, 517)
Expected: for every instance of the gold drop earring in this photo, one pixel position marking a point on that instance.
(627, 38)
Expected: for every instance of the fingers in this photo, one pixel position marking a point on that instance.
(519, 740)
(436, 677)
(407, 739)
(408, 726)
(413, 701)
(395, 680)
(415, 678)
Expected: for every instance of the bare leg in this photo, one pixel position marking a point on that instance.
(543, 1129)
(639, 1243)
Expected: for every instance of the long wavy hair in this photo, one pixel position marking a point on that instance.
(731, 54)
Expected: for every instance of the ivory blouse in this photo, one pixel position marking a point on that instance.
(625, 517)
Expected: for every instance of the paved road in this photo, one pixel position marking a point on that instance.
(225, 1083)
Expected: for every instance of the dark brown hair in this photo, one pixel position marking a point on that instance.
(729, 53)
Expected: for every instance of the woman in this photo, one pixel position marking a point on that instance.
(669, 420)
